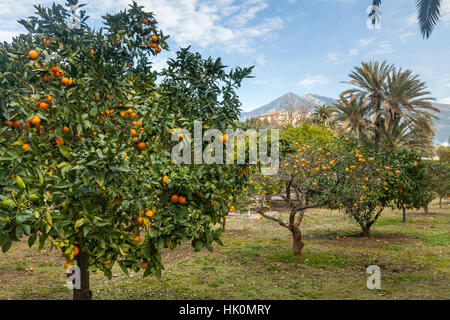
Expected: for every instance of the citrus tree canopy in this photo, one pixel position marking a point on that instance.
(85, 141)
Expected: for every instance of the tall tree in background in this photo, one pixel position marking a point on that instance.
(406, 97)
(352, 115)
(370, 82)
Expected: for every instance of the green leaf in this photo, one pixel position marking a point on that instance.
(65, 150)
(123, 267)
(32, 240)
(20, 183)
(79, 223)
(6, 203)
(6, 245)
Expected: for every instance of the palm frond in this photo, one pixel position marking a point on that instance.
(428, 15)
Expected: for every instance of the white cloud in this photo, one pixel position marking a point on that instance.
(446, 100)
(332, 56)
(7, 35)
(229, 24)
(313, 80)
(365, 42)
(384, 47)
(445, 11)
(354, 52)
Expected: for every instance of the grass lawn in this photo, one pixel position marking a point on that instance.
(256, 263)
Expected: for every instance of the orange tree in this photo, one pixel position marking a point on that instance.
(85, 142)
(439, 172)
(375, 180)
(335, 175)
(303, 168)
(413, 187)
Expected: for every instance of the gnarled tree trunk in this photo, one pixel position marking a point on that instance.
(404, 214)
(298, 244)
(84, 293)
(425, 208)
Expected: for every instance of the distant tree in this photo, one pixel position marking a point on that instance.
(352, 115)
(406, 98)
(412, 187)
(443, 152)
(369, 80)
(256, 123)
(322, 113)
(440, 178)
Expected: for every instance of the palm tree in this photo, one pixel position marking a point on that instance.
(370, 81)
(428, 14)
(406, 135)
(322, 113)
(406, 98)
(352, 115)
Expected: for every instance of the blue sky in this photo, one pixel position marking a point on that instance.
(296, 45)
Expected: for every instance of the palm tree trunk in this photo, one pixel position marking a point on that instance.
(377, 124)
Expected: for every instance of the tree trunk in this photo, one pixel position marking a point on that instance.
(426, 209)
(223, 223)
(297, 243)
(440, 202)
(84, 293)
(404, 214)
(377, 125)
(366, 231)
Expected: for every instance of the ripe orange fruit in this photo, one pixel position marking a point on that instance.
(25, 146)
(137, 238)
(118, 42)
(347, 139)
(144, 265)
(144, 21)
(158, 49)
(43, 105)
(141, 145)
(174, 198)
(133, 132)
(106, 262)
(180, 136)
(223, 138)
(36, 120)
(65, 81)
(139, 220)
(92, 51)
(66, 129)
(181, 200)
(46, 77)
(76, 251)
(46, 42)
(152, 45)
(149, 213)
(337, 238)
(154, 38)
(67, 264)
(165, 178)
(33, 54)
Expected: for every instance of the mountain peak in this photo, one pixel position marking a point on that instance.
(305, 101)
